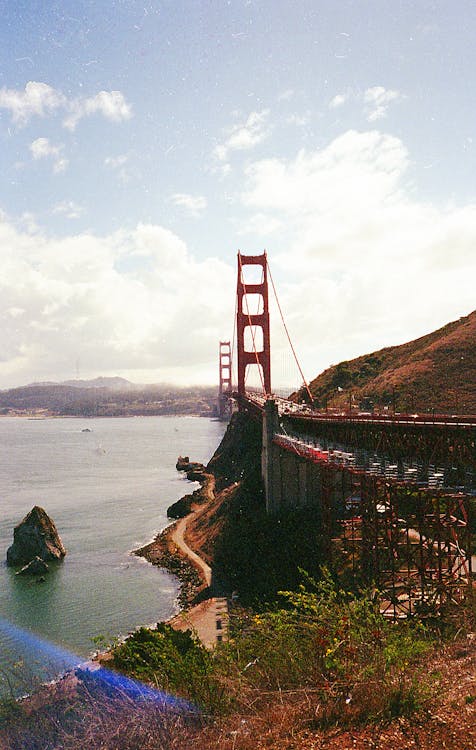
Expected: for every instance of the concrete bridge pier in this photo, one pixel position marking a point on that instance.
(270, 465)
(289, 480)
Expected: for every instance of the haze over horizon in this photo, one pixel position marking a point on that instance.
(115, 381)
(142, 144)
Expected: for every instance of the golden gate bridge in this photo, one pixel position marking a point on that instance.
(394, 491)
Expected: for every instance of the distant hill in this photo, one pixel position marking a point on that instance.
(108, 397)
(436, 372)
(116, 384)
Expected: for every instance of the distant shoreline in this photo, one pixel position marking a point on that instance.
(38, 418)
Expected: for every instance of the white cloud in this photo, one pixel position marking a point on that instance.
(262, 225)
(69, 208)
(355, 168)
(245, 135)
(39, 99)
(121, 164)
(286, 95)
(116, 161)
(377, 100)
(41, 148)
(364, 264)
(299, 120)
(193, 204)
(111, 104)
(60, 165)
(27, 221)
(134, 303)
(338, 101)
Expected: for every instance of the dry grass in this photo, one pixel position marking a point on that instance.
(271, 720)
(435, 371)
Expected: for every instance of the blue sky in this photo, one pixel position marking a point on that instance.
(142, 144)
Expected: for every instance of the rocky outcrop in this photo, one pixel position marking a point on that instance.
(196, 472)
(35, 536)
(181, 508)
(184, 464)
(164, 553)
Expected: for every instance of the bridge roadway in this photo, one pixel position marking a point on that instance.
(306, 413)
(437, 450)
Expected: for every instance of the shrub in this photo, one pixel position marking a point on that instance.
(334, 643)
(173, 661)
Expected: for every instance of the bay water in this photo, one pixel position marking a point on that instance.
(106, 483)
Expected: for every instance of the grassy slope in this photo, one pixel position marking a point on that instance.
(436, 371)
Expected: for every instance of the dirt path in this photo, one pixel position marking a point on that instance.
(178, 537)
(209, 619)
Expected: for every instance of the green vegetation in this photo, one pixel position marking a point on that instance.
(354, 664)
(172, 660)
(322, 657)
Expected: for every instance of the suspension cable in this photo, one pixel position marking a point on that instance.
(287, 334)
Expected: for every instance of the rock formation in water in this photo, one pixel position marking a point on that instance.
(184, 464)
(35, 536)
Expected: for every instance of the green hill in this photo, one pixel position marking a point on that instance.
(436, 372)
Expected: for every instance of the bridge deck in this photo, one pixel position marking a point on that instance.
(306, 414)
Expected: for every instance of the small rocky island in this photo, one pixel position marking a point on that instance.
(35, 542)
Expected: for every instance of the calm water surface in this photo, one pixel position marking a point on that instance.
(107, 491)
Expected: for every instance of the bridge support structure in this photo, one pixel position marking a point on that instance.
(245, 319)
(224, 388)
(270, 468)
(412, 542)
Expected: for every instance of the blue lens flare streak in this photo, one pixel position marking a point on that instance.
(55, 660)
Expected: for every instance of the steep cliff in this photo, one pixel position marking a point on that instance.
(247, 551)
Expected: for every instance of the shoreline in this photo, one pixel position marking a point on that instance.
(41, 417)
(197, 609)
(163, 553)
(203, 609)
(168, 549)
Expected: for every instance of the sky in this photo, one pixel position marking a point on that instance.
(142, 144)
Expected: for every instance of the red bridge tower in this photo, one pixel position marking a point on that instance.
(224, 390)
(245, 319)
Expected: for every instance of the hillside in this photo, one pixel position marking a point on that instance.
(433, 373)
(107, 397)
